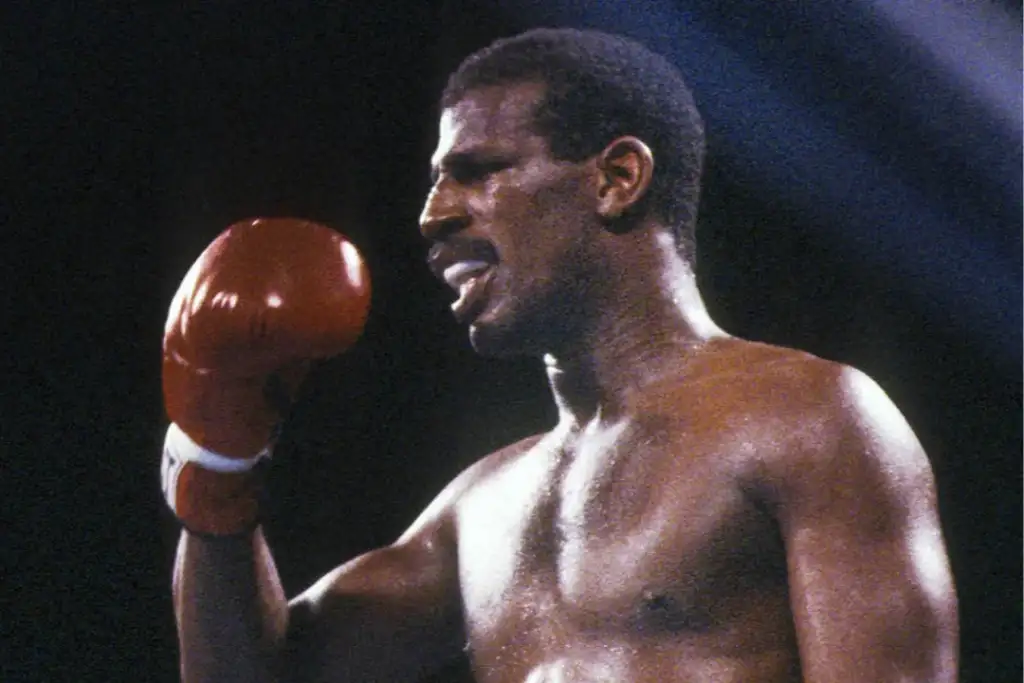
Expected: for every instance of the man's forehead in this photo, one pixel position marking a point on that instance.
(493, 116)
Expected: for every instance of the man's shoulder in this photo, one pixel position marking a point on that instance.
(795, 387)
(485, 467)
(440, 512)
(784, 404)
(813, 420)
(739, 378)
(497, 460)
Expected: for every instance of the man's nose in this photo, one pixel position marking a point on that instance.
(442, 214)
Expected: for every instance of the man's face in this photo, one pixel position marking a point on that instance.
(509, 224)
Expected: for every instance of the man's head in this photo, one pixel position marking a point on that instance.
(599, 87)
(547, 153)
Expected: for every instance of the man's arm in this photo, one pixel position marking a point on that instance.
(391, 614)
(230, 608)
(870, 583)
(264, 300)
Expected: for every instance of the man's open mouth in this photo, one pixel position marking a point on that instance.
(467, 267)
(470, 279)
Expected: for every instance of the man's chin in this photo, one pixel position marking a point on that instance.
(504, 331)
(489, 342)
(492, 339)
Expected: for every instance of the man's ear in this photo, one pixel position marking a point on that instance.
(625, 169)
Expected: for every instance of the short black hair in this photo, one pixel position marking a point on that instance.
(600, 86)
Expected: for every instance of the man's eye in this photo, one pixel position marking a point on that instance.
(470, 173)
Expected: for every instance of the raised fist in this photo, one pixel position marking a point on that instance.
(267, 297)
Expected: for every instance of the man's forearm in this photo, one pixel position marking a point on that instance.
(231, 610)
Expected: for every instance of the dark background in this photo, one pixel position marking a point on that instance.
(861, 203)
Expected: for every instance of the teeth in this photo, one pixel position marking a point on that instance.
(459, 273)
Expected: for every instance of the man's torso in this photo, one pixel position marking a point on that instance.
(642, 549)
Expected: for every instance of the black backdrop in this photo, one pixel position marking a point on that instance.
(135, 135)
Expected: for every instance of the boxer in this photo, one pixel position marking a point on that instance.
(706, 508)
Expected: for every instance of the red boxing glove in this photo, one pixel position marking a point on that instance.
(266, 298)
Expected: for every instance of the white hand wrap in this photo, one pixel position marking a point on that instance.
(180, 449)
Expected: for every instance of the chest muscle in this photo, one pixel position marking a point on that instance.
(617, 541)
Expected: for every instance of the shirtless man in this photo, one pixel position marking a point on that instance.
(705, 509)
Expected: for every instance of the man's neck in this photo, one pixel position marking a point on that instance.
(652, 322)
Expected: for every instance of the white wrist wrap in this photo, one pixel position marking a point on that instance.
(180, 449)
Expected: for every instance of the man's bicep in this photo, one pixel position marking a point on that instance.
(870, 583)
(394, 613)
(870, 608)
(390, 614)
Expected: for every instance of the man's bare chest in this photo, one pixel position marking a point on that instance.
(624, 536)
